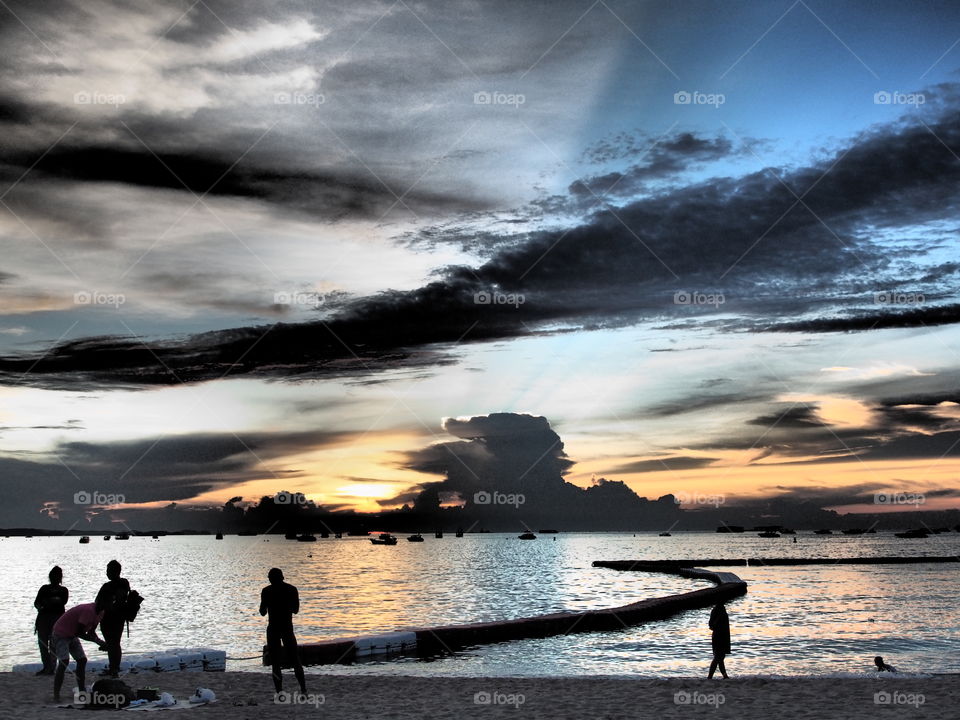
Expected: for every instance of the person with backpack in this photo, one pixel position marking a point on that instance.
(112, 602)
(51, 603)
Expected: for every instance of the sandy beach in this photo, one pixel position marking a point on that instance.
(249, 696)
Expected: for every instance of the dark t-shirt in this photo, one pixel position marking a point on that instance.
(51, 603)
(112, 597)
(281, 602)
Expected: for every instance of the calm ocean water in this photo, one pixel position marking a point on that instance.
(794, 621)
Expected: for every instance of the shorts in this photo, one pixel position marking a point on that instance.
(63, 648)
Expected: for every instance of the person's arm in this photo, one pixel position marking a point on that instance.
(295, 602)
(263, 601)
(101, 599)
(39, 603)
(91, 635)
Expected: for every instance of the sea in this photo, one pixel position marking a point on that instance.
(794, 621)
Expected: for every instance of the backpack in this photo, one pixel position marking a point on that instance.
(132, 606)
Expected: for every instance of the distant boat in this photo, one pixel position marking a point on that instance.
(823, 532)
(438, 534)
(384, 539)
(84, 540)
(768, 534)
(106, 537)
(527, 536)
(787, 531)
(156, 537)
(324, 535)
(459, 532)
(548, 532)
(415, 538)
(306, 537)
(122, 536)
(338, 535)
(663, 534)
(219, 536)
(854, 531)
(915, 534)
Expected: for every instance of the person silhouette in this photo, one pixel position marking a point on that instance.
(281, 601)
(720, 624)
(78, 623)
(111, 602)
(51, 603)
(882, 666)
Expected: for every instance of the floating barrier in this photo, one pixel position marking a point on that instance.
(446, 639)
(188, 660)
(667, 565)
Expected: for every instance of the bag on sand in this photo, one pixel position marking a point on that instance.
(110, 694)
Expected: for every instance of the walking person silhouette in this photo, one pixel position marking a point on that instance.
(281, 601)
(51, 603)
(720, 624)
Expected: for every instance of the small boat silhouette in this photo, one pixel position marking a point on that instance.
(415, 538)
(84, 540)
(527, 536)
(384, 539)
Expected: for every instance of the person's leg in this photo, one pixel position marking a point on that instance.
(61, 652)
(723, 668)
(275, 648)
(43, 640)
(112, 633)
(713, 667)
(293, 652)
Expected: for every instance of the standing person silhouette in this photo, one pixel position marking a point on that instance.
(720, 624)
(51, 603)
(281, 601)
(112, 601)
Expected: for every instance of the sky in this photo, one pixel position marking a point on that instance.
(301, 246)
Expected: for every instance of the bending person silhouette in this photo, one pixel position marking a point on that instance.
(720, 624)
(78, 623)
(112, 603)
(51, 603)
(281, 601)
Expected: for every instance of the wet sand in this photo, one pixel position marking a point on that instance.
(249, 696)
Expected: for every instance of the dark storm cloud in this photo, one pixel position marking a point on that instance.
(791, 417)
(747, 236)
(661, 158)
(874, 320)
(148, 470)
(677, 462)
(521, 455)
